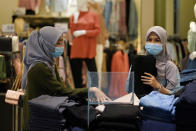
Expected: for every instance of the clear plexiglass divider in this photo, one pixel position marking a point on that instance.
(115, 85)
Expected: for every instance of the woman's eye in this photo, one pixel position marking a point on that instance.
(157, 41)
(149, 40)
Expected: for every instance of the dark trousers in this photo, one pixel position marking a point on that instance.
(76, 65)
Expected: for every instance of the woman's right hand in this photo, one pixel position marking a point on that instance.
(150, 80)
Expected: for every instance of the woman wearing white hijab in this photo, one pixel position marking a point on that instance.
(40, 75)
(168, 78)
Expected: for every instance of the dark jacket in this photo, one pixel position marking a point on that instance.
(41, 81)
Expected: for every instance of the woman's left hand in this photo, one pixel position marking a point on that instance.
(150, 80)
(100, 96)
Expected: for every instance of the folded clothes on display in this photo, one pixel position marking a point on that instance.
(47, 113)
(158, 106)
(77, 116)
(187, 76)
(185, 116)
(118, 117)
(152, 125)
(191, 64)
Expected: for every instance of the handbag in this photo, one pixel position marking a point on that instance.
(14, 96)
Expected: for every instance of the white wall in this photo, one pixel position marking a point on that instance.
(147, 17)
(186, 15)
(7, 8)
(169, 17)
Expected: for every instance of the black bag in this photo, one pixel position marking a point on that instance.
(5, 44)
(143, 64)
(76, 116)
(118, 117)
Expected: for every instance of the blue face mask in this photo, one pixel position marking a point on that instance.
(58, 51)
(153, 49)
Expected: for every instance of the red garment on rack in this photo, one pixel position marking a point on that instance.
(85, 46)
(120, 65)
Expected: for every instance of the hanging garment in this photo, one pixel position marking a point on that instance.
(179, 54)
(103, 35)
(185, 44)
(99, 61)
(109, 54)
(185, 59)
(85, 46)
(107, 12)
(99, 57)
(133, 21)
(123, 25)
(119, 74)
(104, 82)
(104, 65)
(191, 41)
(114, 23)
(172, 51)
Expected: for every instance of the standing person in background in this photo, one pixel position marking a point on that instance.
(168, 78)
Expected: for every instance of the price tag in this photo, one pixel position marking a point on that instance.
(62, 26)
(8, 28)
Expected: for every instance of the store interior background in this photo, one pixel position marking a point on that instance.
(151, 12)
(174, 15)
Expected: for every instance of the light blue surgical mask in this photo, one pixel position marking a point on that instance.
(58, 52)
(153, 49)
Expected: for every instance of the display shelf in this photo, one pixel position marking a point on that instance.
(40, 21)
(9, 52)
